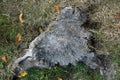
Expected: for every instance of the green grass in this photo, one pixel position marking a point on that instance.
(37, 13)
(67, 73)
(116, 59)
(8, 48)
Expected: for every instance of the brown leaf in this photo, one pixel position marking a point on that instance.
(1, 72)
(21, 18)
(57, 9)
(18, 38)
(31, 30)
(117, 16)
(95, 8)
(6, 40)
(59, 78)
(4, 58)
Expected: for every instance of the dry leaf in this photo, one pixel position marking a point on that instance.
(4, 58)
(31, 30)
(59, 78)
(117, 16)
(57, 9)
(95, 8)
(6, 40)
(40, 30)
(2, 72)
(18, 38)
(21, 18)
(22, 74)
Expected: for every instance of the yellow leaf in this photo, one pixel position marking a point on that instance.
(18, 38)
(59, 78)
(57, 9)
(21, 18)
(22, 74)
(40, 30)
(4, 58)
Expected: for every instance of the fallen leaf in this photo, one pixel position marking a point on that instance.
(117, 16)
(57, 9)
(2, 72)
(6, 40)
(21, 18)
(59, 78)
(4, 58)
(95, 8)
(31, 30)
(18, 38)
(22, 74)
(40, 30)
